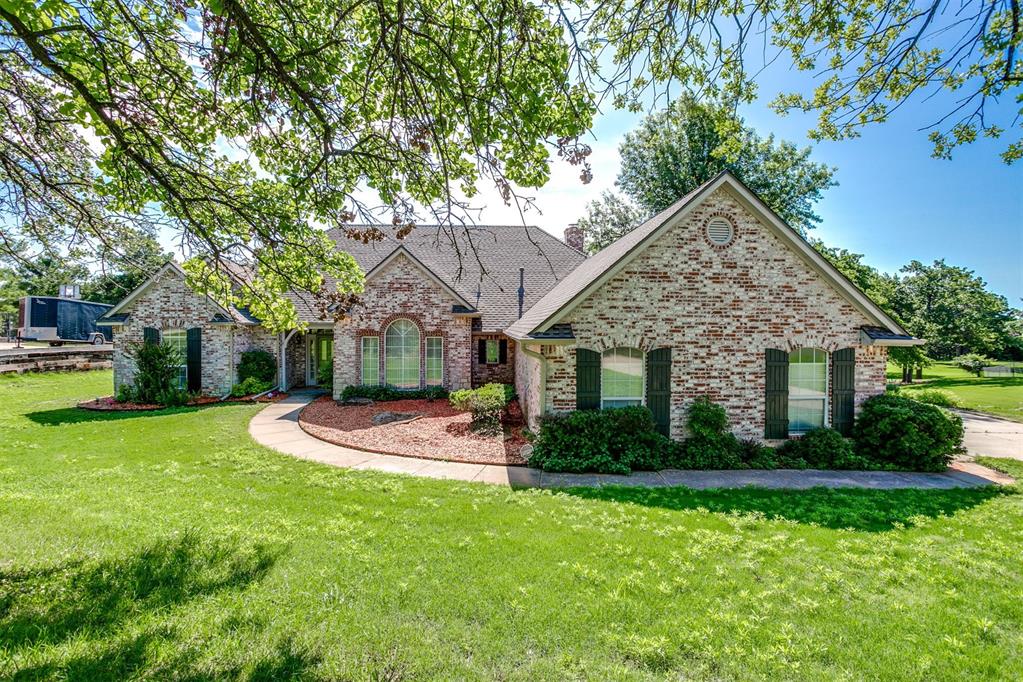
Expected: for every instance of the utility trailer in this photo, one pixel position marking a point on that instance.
(59, 320)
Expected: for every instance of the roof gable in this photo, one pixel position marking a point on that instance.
(400, 252)
(600, 268)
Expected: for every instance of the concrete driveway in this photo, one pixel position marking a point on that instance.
(992, 437)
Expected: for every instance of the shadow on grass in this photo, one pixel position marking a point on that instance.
(77, 415)
(970, 382)
(864, 510)
(50, 605)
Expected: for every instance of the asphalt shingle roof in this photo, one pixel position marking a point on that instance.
(481, 263)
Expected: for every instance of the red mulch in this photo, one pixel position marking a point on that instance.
(442, 432)
(108, 404)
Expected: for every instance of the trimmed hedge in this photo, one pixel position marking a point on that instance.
(383, 394)
(614, 441)
(822, 448)
(898, 433)
(485, 403)
(258, 364)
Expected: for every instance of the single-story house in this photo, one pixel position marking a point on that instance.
(714, 296)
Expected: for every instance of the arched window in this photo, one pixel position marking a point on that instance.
(401, 354)
(808, 389)
(178, 340)
(621, 377)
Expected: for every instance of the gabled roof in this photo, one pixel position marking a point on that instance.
(114, 314)
(479, 263)
(601, 267)
(400, 251)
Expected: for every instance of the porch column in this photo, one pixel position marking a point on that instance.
(282, 360)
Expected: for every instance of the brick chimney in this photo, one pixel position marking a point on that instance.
(574, 236)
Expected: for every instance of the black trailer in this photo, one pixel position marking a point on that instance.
(55, 319)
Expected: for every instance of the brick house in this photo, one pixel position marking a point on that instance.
(714, 296)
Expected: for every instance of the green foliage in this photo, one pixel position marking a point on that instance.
(896, 432)
(325, 376)
(386, 393)
(250, 386)
(973, 363)
(607, 219)
(257, 364)
(934, 396)
(755, 455)
(156, 370)
(613, 441)
(910, 359)
(821, 448)
(674, 151)
(485, 403)
(710, 444)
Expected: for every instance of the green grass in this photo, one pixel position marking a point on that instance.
(168, 545)
(999, 396)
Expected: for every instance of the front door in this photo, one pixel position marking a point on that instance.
(320, 354)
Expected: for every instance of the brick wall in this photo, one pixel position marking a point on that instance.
(402, 290)
(502, 373)
(718, 309)
(170, 304)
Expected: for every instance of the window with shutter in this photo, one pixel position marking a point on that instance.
(587, 379)
(776, 398)
(843, 390)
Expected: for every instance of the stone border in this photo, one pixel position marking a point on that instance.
(276, 427)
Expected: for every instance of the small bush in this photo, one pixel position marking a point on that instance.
(382, 394)
(755, 455)
(156, 369)
(259, 364)
(899, 433)
(973, 363)
(325, 376)
(933, 396)
(821, 448)
(613, 441)
(710, 444)
(485, 403)
(125, 394)
(251, 386)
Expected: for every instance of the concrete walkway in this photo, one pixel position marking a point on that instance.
(992, 437)
(277, 427)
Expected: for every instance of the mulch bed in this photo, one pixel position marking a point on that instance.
(108, 404)
(441, 432)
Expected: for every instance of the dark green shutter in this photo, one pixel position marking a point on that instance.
(658, 387)
(193, 361)
(587, 379)
(776, 421)
(843, 390)
(502, 351)
(151, 336)
(481, 352)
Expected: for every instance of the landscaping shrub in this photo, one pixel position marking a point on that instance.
(710, 444)
(613, 441)
(382, 394)
(933, 396)
(156, 368)
(251, 386)
(485, 403)
(973, 363)
(821, 448)
(325, 376)
(259, 364)
(899, 433)
(755, 455)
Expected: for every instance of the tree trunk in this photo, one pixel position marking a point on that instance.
(919, 372)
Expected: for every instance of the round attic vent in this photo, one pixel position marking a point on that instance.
(720, 231)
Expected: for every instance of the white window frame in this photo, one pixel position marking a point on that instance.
(418, 356)
(826, 419)
(426, 354)
(642, 362)
(181, 382)
(362, 360)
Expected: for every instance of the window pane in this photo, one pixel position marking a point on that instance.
(401, 354)
(370, 361)
(808, 387)
(493, 353)
(621, 377)
(434, 360)
(177, 339)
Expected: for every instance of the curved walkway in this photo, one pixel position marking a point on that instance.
(276, 426)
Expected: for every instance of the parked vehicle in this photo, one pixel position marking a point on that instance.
(59, 320)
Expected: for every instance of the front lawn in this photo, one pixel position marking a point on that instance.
(167, 545)
(996, 395)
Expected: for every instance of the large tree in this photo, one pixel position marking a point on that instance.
(607, 219)
(674, 151)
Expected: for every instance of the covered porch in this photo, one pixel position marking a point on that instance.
(306, 355)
